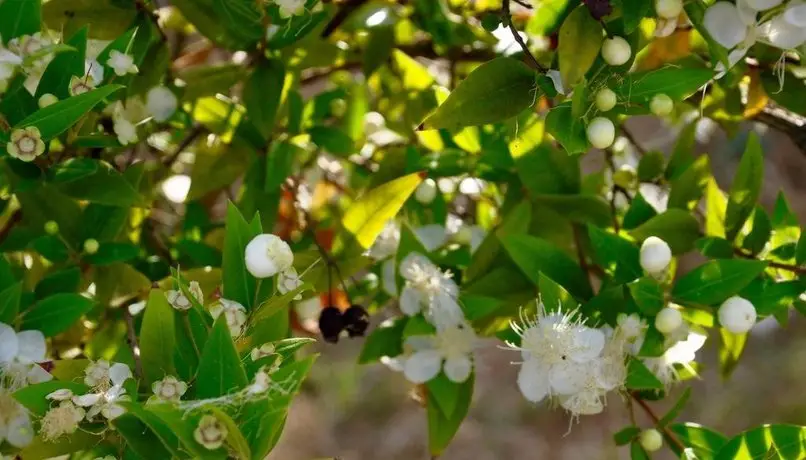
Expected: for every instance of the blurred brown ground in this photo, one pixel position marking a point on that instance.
(364, 413)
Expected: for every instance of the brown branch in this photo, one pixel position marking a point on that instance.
(13, 220)
(507, 19)
(191, 137)
(656, 421)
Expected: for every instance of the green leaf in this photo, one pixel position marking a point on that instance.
(157, 339)
(534, 255)
(109, 253)
(385, 340)
(746, 187)
(139, 437)
(20, 17)
(715, 247)
(493, 92)
(730, 351)
(108, 19)
(220, 369)
(333, 140)
(648, 295)
(548, 16)
(165, 433)
(632, 12)
(676, 82)
(616, 255)
(637, 452)
(277, 303)
(239, 284)
(580, 40)
(676, 227)
(67, 280)
(99, 183)
(790, 95)
(639, 212)
(641, 378)
(705, 442)
(79, 441)
(758, 237)
(651, 166)
(716, 280)
(626, 435)
(242, 19)
(689, 186)
(682, 156)
(442, 428)
(567, 129)
(262, 94)
(785, 442)
(10, 303)
(674, 412)
(234, 436)
(444, 393)
(57, 118)
(582, 209)
(56, 79)
(379, 47)
(56, 313)
(366, 217)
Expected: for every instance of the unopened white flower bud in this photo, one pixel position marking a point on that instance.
(605, 99)
(737, 315)
(668, 9)
(601, 132)
(668, 320)
(426, 191)
(266, 255)
(651, 440)
(661, 105)
(616, 51)
(91, 246)
(656, 255)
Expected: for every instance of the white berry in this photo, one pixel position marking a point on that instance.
(661, 105)
(655, 255)
(668, 320)
(668, 9)
(605, 99)
(426, 192)
(616, 51)
(601, 132)
(651, 440)
(737, 315)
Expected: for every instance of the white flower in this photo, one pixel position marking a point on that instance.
(9, 62)
(681, 353)
(427, 287)
(101, 376)
(61, 420)
(234, 313)
(80, 85)
(795, 14)
(169, 388)
(655, 255)
(630, 327)
(737, 315)
(289, 280)
(266, 255)
(121, 63)
(724, 24)
(210, 433)
(15, 423)
(180, 302)
(104, 402)
(125, 131)
(25, 144)
(161, 103)
(451, 350)
(290, 8)
(19, 354)
(196, 291)
(782, 34)
(267, 349)
(387, 242)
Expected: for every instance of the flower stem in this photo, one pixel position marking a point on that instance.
(189, 332)
(656, 421)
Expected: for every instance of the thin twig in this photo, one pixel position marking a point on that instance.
(507, 18)
(773, 264)
(614, 189)
(633, 140)
(583, 263)
(191, 137)
(13, 220)
(131, 339)
(189, 332)
(656, 421)
(523, 3)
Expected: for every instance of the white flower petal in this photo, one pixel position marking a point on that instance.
(119, 372)
(87, 400)
(588, 344)
(61, 394)
(762, 5)
(413, 263)
(388, 281)
(20, 433)
(746, 12)
(723, 22)
(533, 381)
(32, 347)
(9, 346)
(568, 377)
(410, 301)
(445, 311)
(781, 34)
(161, 103)
(422, 366)
(795, 14)
(458, 369)
(432, 236)
(420, 342)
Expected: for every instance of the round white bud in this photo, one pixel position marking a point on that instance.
(651, 440)
(655, 255)
(266, 255)
(601, 132)
(668, 320)
(661, 105)
(616, 51)
(668, 9)
(426, 191)
(737, 315)
(605, 99)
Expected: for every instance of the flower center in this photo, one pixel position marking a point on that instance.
(27, 145)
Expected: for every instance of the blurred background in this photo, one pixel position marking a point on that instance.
(352, 412)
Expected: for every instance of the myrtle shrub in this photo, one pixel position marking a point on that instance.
(196, 190)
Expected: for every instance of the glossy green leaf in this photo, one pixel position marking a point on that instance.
(493, 92)
(690, 185)
(676, 82)
(56, 79)
(95, 181)
(760, 235)
(220, 369)
(57, 118)
(676, 227)
(56, 313)
(163, 431)
(581, 209)
(580, 40)
(648, 295)
(730, 351)
(626, 435)
(614, 254)
(262, 94)
(10, 303)
(332, 140)
(139, 437)
(716, 280)
(442, 428)
(567, 129)
(641, 378)
(384, 340)
(785, 442)
(20, 17)
(107, 18)
(745, 188)
(157, 339)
